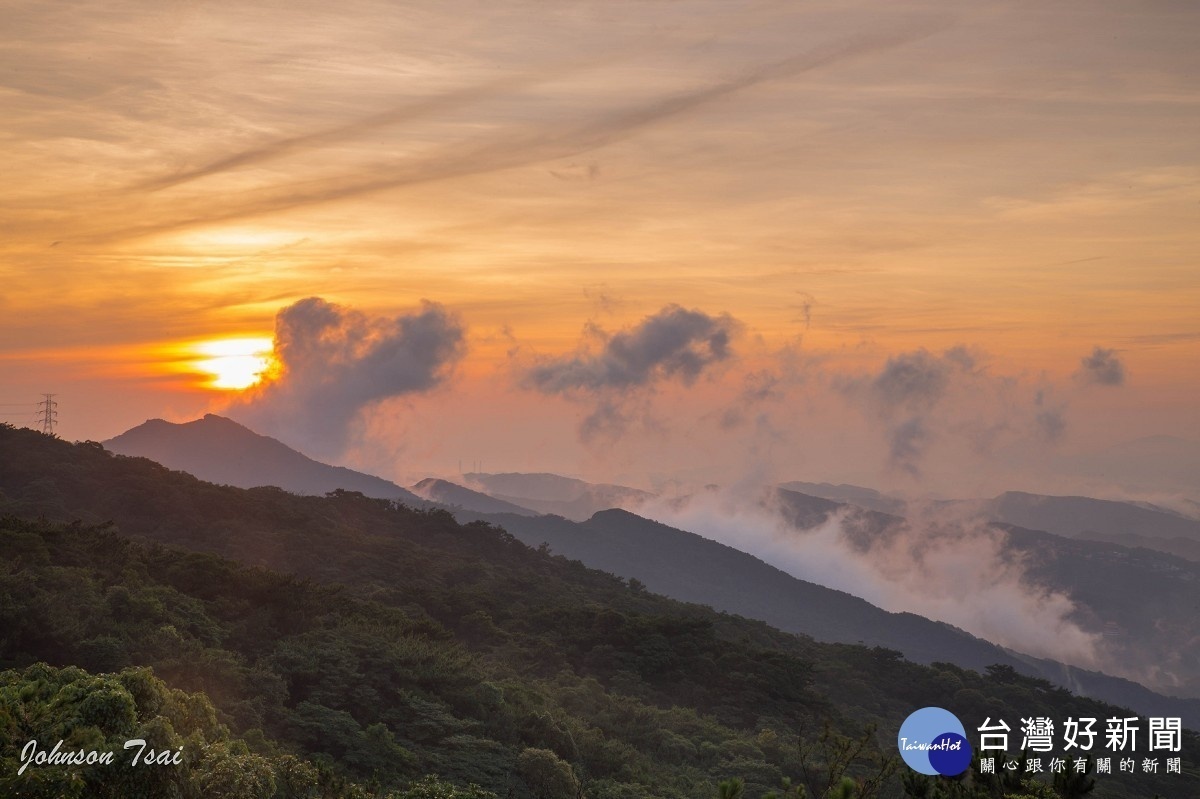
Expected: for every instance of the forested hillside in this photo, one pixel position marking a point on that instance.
(390, 643)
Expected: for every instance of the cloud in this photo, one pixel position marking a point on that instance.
(329, 137)
(770, 385)
(903, 395)
(1050, 418)
(907, 441)
(944, 566)
(915, 381)
(334, 362)
(1102, 368)
(675, 344)
(479, 155)
(952, 402)
(1051, 424)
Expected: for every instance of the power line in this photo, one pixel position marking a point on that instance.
(29, 411)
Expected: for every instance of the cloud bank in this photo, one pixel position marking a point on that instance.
(952, 569)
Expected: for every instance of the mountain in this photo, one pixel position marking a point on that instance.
(552, 493)
(1140, 602)
(395, 642)
(802, 511)
(1077, 517)
(867, 498)
(1115, 588)
(691, 568)
(861, 527)
(1144, 603)
(1187, 548)
(222, 451)
(453, 495)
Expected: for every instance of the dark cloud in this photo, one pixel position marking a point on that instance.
(1051, 424)
(334, 362)
(917, 380)
(914, 380)
(921, 400)
(1102, 368)
(907, 441)
(673, 344)
(905, 393)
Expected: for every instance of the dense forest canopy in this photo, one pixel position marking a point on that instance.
(364, 645)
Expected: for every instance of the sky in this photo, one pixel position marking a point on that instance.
(933, 247)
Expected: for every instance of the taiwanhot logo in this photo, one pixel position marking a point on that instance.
(933, 741)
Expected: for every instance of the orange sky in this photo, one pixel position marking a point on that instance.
(848, 181)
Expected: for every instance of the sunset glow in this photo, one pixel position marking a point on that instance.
(235, 363)
(1002, 195)
(355, 337)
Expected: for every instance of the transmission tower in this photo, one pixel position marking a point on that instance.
(48, 413)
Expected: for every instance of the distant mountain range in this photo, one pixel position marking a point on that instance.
(1142, 601)
(867, 498)
(453, 495)
(1117, 590)
(1130, 524)
(1084, 517)
(455, 649)
(686, 566)
(673, 562)
(222, 451)
(552, 493)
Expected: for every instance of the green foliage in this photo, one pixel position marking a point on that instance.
(433, 788)
(731, 789)
(225, 774)
(547, 775)
(385, 643)
(102, 714)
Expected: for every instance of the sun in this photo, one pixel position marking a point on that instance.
(234, 363)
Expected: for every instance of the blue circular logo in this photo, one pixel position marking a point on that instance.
(933, 741)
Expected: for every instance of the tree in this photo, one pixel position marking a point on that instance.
(825, 762)
(547, 775)
(731, 789)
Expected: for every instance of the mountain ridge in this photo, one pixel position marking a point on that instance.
(600, 542)
(220, 450)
